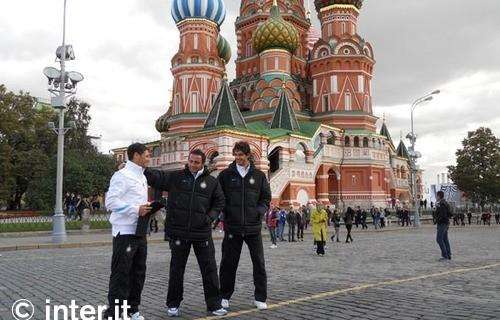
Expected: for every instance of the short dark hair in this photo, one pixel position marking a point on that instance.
(440, 194)
(135, 148)
(198, 152)
(242, 146)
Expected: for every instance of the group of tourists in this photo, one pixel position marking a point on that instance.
(195, 202)
(74, 204)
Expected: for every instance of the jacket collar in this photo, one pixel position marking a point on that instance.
(232, 166)
(134, 168)
(189, 173)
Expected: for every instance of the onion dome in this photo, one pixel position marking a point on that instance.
(224, 48)
(325, 3)
(275, 33)
(162, 123)
(213, 10)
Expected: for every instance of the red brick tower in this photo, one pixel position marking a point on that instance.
(341, 68)
(198, 67)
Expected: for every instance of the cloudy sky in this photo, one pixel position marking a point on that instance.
(123, 48)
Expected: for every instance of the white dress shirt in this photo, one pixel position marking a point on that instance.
(242, 170)
(128, 190)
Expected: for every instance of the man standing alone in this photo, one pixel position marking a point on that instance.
(248, 196)
(442, 215)
(291, 219)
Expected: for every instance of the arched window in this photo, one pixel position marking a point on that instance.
(365, 142)
(347, 142)
(356, 142)
(300, 154)
(331, 138)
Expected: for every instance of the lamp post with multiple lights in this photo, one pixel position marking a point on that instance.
(62, 84)
(414, 155)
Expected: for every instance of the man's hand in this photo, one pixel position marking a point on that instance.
(144, 209)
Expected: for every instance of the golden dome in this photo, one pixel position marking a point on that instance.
(275, 33)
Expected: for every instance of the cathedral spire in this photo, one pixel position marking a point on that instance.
(225, 111)
(284, 116)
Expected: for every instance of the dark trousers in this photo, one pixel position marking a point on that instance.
(291, 232)
(320, 247)
(442, 240)
(349, 228)
(205, 254)
(272, 233)
(128, 272)
(231, 251)
(363, 224)
(300, 231)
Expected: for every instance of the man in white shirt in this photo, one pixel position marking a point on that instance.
(127, 199)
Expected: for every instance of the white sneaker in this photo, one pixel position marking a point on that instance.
(136, 316)
(260, 305)
(225, 303)
(219, 313)
(273, 246)
(173, 312)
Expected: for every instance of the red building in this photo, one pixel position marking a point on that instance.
(303, 101)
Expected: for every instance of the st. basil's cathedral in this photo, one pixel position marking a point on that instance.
(301, 98)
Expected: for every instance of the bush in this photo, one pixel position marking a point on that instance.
(47, 226)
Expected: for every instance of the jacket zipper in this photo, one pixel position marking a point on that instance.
(191, 205)
(243, 203)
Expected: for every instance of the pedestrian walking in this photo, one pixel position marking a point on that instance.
(443, 214)
(348, 219)
(281, 224)
(291, 220)
(319, 219)
(336, 225)
(300, 225)
(271, 222)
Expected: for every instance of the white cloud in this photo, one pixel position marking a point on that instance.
(443, 123)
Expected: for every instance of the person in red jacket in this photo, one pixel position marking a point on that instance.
(271, 222)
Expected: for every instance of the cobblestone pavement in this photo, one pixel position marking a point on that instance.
(387, 275)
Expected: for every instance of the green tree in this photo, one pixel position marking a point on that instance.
(24, 141)
(28, 150)
(477, 172)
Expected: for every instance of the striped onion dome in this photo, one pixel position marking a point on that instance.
(275, 33)
(224, 48)
(325, 3)
(213, 10)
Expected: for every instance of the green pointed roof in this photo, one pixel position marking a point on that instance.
(225, 111)
(284, 116)
(385, 132)
(402, 151)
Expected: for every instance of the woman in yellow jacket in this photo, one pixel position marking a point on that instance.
(319, 219)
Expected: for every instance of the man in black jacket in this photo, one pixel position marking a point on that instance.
(195, 200)
(443, 214)
(291, 219)
(248, 196)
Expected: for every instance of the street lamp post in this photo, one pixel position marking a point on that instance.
(414, 155)
(62, 84)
